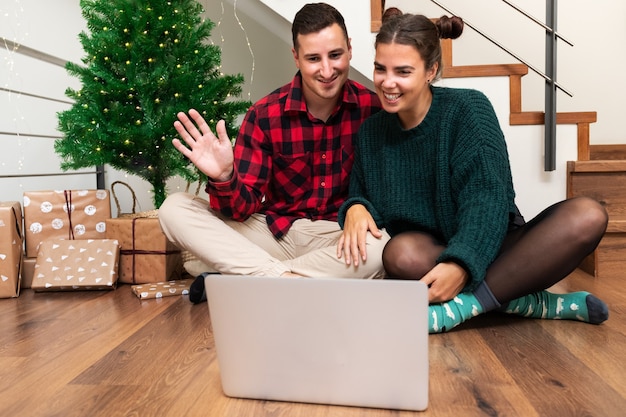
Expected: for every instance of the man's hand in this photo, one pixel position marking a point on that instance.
(352, 242)
(213, 155)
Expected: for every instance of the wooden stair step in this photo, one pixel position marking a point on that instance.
(491, 70)
(607, 261)
(563, 118)
(602, 180)
(617, 225)
(605, 181)
(597, 166)
(607, 152)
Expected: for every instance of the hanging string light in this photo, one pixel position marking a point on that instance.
(249, 48)
(14, 18)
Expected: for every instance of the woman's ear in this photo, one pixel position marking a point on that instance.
(431, 73)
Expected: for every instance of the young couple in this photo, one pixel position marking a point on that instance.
(322, 182)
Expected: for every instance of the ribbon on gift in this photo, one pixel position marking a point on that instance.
(134, 251)
(18, 227)
(18, 223)
(68, 205)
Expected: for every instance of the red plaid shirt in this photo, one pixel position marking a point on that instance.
(289, 165)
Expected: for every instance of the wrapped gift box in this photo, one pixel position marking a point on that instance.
(146, 255)
(64, 214)
(28, 269)
(11, 248)
(63, 265)
(162, 289)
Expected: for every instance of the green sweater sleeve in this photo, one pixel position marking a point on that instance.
(475, 212)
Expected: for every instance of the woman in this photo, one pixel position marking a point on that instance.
(433, 170)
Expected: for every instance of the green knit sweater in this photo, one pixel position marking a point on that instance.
(450, 176)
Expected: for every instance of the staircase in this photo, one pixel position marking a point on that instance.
(599, 171)
(602, 176)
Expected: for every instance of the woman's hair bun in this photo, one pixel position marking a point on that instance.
(391, 12)
(450, 27)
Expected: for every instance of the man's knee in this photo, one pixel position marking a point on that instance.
(171, 209)
(172, 204)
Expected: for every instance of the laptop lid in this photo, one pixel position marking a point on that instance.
(322, 340)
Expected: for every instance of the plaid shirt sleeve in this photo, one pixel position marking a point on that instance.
(289, 165)
(242, 196)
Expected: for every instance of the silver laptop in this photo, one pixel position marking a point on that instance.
(322, 340)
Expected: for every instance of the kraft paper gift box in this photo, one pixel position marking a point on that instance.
(64, 214)
(146, 255)
(11, 248)
(162, 289)
(86, 264)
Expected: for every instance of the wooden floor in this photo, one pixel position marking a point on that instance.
(110, 354)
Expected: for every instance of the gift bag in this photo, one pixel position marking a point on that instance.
(11, 248)
(146, 255)
(86, 264)
(64, 214)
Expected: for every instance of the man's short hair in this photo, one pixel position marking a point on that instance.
(313, 17)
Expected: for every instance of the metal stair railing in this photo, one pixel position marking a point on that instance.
(549, 76)
(10, 45)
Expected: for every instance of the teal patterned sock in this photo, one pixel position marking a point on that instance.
(444, 316)
(581, 306)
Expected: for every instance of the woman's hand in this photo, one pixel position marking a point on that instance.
(445, 281)
(352, 242)
(213, 155)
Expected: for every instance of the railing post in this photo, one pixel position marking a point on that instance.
(550, 90)
(100, 177)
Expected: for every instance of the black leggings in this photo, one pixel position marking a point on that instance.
(533, 256)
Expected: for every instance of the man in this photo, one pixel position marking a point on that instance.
(274, 197)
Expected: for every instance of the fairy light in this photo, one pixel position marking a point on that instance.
(218, 26)
(13, 17)
(249, 47)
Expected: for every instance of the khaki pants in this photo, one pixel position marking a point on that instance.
(249, 248)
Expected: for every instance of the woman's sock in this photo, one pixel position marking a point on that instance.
(581, 306)
(444, 316)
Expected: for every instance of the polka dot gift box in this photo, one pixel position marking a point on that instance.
(162, 289)
(66, 265)
(64, 214)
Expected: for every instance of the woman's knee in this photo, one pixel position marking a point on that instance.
(591, 214)
(590, 219)
(410, 255)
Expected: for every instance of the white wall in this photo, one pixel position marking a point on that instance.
(257, 42)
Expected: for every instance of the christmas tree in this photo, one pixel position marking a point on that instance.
(146, 60)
